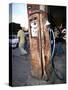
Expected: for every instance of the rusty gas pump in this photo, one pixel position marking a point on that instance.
(40, 48)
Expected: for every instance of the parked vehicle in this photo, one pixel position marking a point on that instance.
(13, 41)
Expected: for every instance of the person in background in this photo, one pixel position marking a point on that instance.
(59, 50)
(21, 37)
(26, 46)
(56, 32)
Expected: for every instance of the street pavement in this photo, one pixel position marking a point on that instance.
(21, 70)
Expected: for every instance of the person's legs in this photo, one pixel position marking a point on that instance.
(22, 50)
(59, 49)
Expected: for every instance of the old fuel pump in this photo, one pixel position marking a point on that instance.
(40, 48)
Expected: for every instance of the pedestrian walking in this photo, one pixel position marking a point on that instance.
(21, 37)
